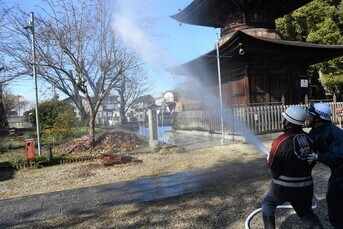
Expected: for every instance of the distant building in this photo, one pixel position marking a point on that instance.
(108, 114)
(138, 110)
(164, 105)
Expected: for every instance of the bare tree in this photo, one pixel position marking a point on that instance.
(3, 118)
(14, 102)
(130, 88)
(77, 52)
(10, 45)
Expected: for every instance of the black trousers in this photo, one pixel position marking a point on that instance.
(302, 204)
(334, 198)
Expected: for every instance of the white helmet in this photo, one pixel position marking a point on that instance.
(322, 110)
(295, 115)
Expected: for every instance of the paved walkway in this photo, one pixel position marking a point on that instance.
(27, 210)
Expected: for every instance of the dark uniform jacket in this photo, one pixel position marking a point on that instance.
(328, 142)
(288, 165)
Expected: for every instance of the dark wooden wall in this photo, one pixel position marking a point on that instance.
(264, 80)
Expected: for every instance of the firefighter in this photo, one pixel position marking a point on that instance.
(328, 148)
(292, 174)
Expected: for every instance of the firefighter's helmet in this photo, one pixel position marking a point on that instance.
(321, 110)
(295, 115)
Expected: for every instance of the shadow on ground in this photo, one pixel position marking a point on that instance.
(6, 171)
(229, 192)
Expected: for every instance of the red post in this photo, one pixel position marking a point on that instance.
(30, 149)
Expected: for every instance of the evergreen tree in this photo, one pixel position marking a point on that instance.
(320, 22)
(50, 112)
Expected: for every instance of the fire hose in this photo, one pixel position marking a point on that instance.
(283, 206)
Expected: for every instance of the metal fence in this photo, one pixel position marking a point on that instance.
(259, 119)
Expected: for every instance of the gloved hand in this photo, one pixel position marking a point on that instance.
(312, 157)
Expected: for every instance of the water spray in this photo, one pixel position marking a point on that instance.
(210, 102)
(232, 121)
(136, 38)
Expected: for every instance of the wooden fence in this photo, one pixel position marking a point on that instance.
(258, 119)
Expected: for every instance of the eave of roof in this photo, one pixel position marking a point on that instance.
(210, 12)
(301, 51)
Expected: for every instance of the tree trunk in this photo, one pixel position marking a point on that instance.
(122, 113)
(91, 129)
(85, 117)
(122, 104)
(77, 99)
(3, 117)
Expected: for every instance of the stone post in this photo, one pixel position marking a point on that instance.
(153, 132)
(306, 99)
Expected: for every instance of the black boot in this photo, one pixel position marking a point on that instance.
(312, 222)
(269, 222)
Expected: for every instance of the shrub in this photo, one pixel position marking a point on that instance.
(17, 159)
(64, 122)
(5, 147)
(52, 111)
(41, 158)
(57, 119)
(28, 135)
(63, 126)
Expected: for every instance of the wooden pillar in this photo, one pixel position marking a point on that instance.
(246, 85)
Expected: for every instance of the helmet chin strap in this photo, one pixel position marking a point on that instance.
(316, 121)
(311, 123)
(285, 124)
(288, 125)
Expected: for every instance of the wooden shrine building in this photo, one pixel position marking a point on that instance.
(256, 65)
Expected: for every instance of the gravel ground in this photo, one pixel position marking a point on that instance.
(224, 204)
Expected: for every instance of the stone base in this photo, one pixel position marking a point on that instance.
(153, 144)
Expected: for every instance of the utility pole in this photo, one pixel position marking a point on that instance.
(31, 26)
(220, 91)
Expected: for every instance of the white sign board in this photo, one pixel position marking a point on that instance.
(303, 83)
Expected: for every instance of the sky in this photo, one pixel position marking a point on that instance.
(166, 43)
(162, 45)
